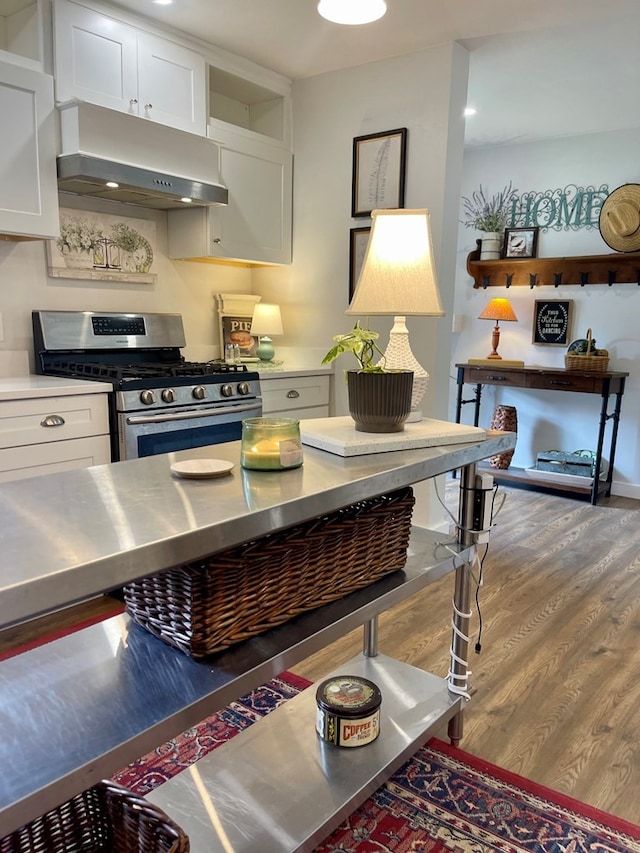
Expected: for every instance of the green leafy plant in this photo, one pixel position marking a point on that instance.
(488, 214)
(128, 239)
(362, 344)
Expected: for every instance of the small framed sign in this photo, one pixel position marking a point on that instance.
(520, 242)
(552, 322)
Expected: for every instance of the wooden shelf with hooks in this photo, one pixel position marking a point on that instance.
(615, 268)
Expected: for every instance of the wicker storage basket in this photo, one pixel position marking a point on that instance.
(589, 362)
(104, 819)
(211, 604)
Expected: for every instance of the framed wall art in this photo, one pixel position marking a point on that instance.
(359, 238)
(379, 161)
(100, 247)
(520, 243)
(552, 322)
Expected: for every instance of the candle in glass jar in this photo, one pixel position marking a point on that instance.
(271, 444)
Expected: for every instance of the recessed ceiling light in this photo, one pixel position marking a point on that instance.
(186, 200)
(163, 2)
(470, 111)
(352, 11)
(112, 185)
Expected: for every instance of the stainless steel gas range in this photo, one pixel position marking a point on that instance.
(160, 402)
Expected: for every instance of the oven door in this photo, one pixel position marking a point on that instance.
(141, 434)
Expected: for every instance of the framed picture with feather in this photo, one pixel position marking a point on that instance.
(379, 161)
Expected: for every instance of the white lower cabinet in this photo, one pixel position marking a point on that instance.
(256, 224)
(28, 181)
(50, 434)
(299, 397)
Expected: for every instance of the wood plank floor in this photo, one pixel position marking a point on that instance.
(557, 682)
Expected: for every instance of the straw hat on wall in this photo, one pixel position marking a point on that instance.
(620, 219)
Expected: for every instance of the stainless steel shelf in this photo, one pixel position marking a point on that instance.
(73, 535)
(278, 787)
(76, 710)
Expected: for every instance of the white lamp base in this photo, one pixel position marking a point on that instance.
(399, 356)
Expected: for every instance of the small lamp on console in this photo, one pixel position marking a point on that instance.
(498, 309)
(266, 321)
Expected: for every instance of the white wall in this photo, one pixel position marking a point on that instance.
(548, 420)
(181, 286)
(424, 92)
(328, 112)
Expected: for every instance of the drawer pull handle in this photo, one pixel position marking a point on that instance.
(293, 394)
(559, 382)
(497, 378)
(52, 421)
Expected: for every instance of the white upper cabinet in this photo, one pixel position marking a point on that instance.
(28, 182)
(21, 32)
(256, 224)
(113, 64)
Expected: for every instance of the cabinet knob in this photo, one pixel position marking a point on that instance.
(133, 101)
(52, 421)
(216, 240)
(293, 394)
(148, 106)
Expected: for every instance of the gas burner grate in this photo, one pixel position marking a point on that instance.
(143, 370)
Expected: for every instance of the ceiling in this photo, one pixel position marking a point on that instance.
(539, 68)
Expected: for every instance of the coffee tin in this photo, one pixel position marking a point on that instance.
(348, 712)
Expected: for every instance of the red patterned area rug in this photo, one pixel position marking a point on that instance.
(441, 801)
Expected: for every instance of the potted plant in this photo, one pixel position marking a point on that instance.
(489, 216)
(379, 398)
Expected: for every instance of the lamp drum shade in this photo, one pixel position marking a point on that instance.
(266, 320)
(398, 273)
(498, 309)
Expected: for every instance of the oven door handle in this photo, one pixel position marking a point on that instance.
(191, 415)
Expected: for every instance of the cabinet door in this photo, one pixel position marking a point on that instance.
(95, 58)
(256, 224)
(171, 84)
(28, 183)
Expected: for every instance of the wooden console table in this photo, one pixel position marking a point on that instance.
(551, 379)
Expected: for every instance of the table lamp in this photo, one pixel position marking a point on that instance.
(498, 309)
(266, 321)
(398, 277)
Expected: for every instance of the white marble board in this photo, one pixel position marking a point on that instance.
(339, 436)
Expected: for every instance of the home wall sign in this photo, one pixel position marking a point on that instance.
(99, 247)
(552, 321)
(570, 208)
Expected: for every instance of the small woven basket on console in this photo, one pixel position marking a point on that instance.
(587, 361)
(209, 605)
(104, 819)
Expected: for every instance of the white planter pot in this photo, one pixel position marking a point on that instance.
(491, 245)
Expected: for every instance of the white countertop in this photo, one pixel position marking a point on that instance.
(288, 371)
(31, 386)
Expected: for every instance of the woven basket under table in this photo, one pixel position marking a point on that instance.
(211, 604)
(104, 819)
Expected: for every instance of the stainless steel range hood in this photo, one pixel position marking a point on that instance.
(153, 166)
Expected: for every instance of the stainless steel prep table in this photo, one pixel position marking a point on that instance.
(77, 709)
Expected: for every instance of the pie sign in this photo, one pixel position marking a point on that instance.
(552, 321)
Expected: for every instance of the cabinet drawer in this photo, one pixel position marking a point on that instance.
(50, 419)
(587, 384)
(283, 395)
(18, 463)
(494, 376)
